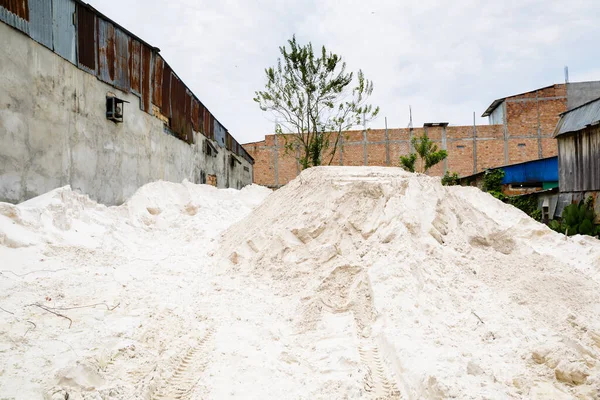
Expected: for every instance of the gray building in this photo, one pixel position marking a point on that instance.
(84, 102)
(578, 136)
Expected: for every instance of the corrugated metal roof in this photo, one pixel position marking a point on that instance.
(18, 7)
(579, 118)
(63, 29)
(40, 22)
(9, 14)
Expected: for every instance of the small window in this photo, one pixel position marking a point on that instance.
(460, 146)
(114, 108)
(246, 169)
(521, 145)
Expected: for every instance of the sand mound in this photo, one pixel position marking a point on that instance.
(348, 283)
(452, 293)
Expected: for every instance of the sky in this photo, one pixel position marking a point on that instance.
(444, 59)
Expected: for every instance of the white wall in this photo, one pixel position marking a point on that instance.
(54, 132)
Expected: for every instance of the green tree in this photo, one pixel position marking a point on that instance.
(314, 100)
(427, 155)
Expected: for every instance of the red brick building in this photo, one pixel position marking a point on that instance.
(521, 129)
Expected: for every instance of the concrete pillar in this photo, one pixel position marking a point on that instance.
(365, 147)
(276, 161)
(444, 147)
(342, 148)
(474, 145)
(539, 129)
(505, 134)
(387, 145)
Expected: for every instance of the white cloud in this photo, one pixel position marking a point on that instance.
(446, 59)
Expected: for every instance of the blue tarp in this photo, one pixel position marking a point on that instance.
(544, 170)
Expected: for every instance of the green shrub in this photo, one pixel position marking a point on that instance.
(492, 180)
(450, 179)
(579, 218)
(527, 204)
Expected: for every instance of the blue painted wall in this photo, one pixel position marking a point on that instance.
(545, 170)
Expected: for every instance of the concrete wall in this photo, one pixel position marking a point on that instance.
(54, 132)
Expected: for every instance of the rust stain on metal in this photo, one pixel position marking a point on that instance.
(121, 60)
(146, 84)
(106, 51)
(86, 35)
(166, 91)
(18, 7)
(180, 123)
(135, 65)
(196, 114)
(157, 80)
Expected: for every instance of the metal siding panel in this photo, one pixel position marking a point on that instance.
(157, 80)
(165, 107)
(106, 50)
(86, 39)
(122, 60)
(19, 8)
(211, 125)
(196, 114)
(63, 29)
(8, 14)
(40, 22)
(146, 84)
(219, 132)
(135, 65)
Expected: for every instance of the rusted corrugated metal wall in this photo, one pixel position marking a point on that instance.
(106, 50)
(63, 29)
(122, 60)
(86, 39)
(15, 13)
(97, 45)
(157, 79)
(146, 84)
(135, 65)
(40, 22)
(579, 160)
(165, 107)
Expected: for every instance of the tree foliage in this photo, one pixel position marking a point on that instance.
(426, 155)
(314, 100)
(450, 179)
(492, 182)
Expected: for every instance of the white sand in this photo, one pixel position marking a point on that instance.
(346, 283)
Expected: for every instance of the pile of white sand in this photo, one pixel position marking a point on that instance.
(346, 283)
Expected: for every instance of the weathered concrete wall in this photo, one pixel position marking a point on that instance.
(54, 132)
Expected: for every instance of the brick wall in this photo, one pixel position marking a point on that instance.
(527, 134)
(275, 166)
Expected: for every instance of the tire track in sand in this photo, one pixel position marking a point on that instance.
(182, 383)
(376, 380)
(348, 289)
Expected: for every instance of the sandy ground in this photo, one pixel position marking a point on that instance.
(347, 283)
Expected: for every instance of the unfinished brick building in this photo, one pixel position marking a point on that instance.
(521, 129)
